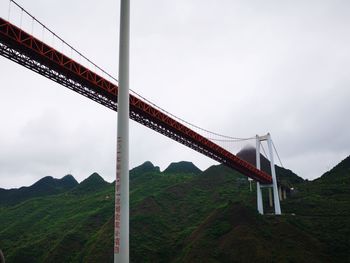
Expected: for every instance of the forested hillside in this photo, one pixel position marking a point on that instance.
(179, 215)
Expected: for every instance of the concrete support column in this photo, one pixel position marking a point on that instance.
(270, 197)
(280, 193)
(274, 179)
(259, 199)
(284, 194)
(258, 188)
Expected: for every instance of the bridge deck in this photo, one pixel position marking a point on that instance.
(32, 53)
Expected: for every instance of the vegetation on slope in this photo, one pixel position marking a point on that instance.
(44, 187)
(322, 208)
(182, 216)
(236, 233)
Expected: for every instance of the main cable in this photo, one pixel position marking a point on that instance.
(61, 39)
(229, 138)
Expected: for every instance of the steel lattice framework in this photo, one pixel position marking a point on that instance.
(28, 51)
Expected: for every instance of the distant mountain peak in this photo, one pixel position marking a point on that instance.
(68, 176)
(45, 179)
(95, 178)
(147, 164)
(69, 180)
(146, 167)
(344, 164)
(182, 167)
(92, 183)
(341, 170)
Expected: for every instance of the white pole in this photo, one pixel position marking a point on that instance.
(258, 189)
(121, 226)
(274, 179)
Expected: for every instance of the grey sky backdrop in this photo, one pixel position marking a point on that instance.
(236, 67)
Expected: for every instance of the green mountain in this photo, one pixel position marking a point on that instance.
(182, 216)
(92, 184)
(145, 168)
(340, 173)
(322, 207)
(236, 233)
(182, 167)
(44, 187)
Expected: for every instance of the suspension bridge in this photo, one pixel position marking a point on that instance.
(90, 80)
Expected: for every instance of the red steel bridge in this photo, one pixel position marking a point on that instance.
(32, 53)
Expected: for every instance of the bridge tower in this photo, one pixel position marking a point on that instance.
(274, 186)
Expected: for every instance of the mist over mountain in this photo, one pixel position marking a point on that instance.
(285, 176)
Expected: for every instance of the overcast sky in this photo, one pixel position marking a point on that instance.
(236, 67)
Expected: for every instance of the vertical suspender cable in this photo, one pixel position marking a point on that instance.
(43, 34)
(33, 25)
(258, 188)
(274, 147)
(9, 12)
(20, 23)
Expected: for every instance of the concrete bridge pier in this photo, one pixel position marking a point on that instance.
(258, 187)
(280, 193)
(270, 197)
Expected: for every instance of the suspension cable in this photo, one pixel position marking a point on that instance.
(277, 154)
(58, 37)
(228, 138)
(262, 146)
(193, 125)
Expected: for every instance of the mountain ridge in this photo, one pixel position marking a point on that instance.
(183, 218)
(182, 167)
(43, 187)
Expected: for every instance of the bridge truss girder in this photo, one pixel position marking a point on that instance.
(39, 57)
